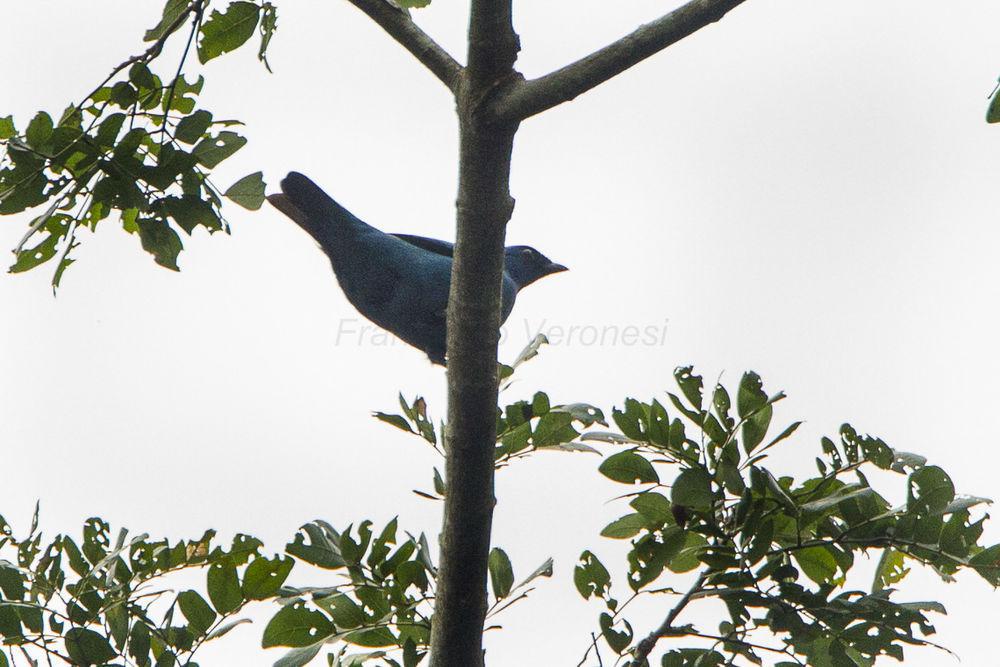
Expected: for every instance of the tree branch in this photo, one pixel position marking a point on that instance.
(527, 98)
(400, 26)
(644, 647)
(493, 44)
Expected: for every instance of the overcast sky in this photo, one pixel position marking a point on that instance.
(806, 189)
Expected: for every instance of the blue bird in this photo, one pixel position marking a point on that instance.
(398, 281)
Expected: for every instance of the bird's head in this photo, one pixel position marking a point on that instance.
(525, 265)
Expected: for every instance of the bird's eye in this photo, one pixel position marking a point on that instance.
(526, 253)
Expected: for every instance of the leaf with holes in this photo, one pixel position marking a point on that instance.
(210, 151)
(628, 467)
(224, 32)
(264, 576)
(296, 626)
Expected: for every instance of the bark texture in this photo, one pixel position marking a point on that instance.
(484, 207)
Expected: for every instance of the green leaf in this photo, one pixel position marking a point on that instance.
(110, 127)
(653, 506)
(399, 421)
(617, 640)
(930, 491)
(224, 32)
(413, 4)
(693, 657)
(591, 577)
(751, 396)
(140, 75)
(817, 563)
(993, 112)
(628, 467)
(501, 573)
(139, 643)
(789, 430)
(171, 12)
(190, 212)
(755, 428)
(624, 527)
(39, 130)
(987, 564)
(226, 627)
(159, 240)
(298, 657)
(323, 549)
(344, 611)
(585, 413)
(87, 647)
(296, 626)
(543, 570)
(56, 228)
(836, 497)
(124, 94)
(553, 429)
(7, 129)
(722, 404)
(211, 151)
(891, 569)
(693, 488)
(964, 502)
(200, 616)
(224, 587)
(775, 488)
(373, 638)
(192, 128)
(248, 192)
(264, 576)
(179, 100)
(11, 582)
(540, 403)
(631, 421)
(690, 384)
(268, 23)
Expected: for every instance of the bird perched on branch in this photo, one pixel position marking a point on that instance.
(398, 281)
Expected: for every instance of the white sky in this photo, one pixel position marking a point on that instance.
(806, 189)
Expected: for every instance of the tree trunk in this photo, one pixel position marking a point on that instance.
(484, 207)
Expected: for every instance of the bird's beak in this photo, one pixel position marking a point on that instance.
(555, 268)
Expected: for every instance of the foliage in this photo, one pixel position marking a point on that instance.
(775, 551)
(136, 145)
(104, 599)
(384, 601)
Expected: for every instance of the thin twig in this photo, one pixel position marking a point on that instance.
(400, 26)
(195, 25)
(644, 647)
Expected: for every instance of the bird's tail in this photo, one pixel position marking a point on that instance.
(312, 209)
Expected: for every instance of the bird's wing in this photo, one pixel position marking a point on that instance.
(436, 246)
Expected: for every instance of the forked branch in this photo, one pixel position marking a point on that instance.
(528, 98)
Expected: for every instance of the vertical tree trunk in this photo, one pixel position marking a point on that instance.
(484, 207)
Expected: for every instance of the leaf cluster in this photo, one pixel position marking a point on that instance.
(383, 601)
(136, 146)
(102, 599)
(775, 551)
(523, 428)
